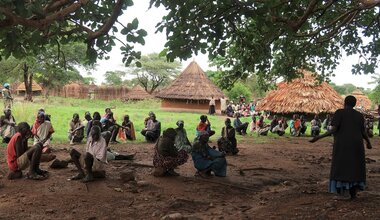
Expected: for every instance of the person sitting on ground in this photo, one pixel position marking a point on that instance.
(109, 124)
(106, 112)
(148, 118)
(93, 159)
(20, 157)
(230, 111)
(42, 130)
(127, 129)
(86, 121)
(153, 129)
(76, 130)
(279, 126)
(7, 125)
(181, 140)
(206, 159)
(316, 125)
(227, 143)
(295, 126)
(274, 124)
(252, 125)
(204, 125)
(167, 156)
(327, 123)
(240, 127)
(303, 125)
(95, 117)
(262, 128)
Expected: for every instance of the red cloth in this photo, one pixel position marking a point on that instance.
(202, 126)
(297, 124)
(36, 125)
(12, 154)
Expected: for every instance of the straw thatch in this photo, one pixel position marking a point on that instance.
(302, 95)
(138, 93)
(362, 101)
(35, 87)
(191, 84)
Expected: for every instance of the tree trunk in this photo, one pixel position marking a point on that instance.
(28, 77)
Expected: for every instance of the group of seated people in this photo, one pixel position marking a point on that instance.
(297, 125)
(171, 149)
(241, 108)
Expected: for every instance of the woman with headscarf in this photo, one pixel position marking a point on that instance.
(206, 159)
(348, 168)
(181, 140)
(166, 156)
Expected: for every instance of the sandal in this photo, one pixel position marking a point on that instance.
(34, 176)
(77, 177)
(40, 172)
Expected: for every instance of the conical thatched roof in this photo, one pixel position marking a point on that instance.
(191, 84)
(302, 95)
(35, 87)
(362, 101)
(138, 93)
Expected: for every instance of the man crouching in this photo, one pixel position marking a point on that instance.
(20, 157)
(93, 159)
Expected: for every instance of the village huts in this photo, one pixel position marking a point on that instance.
(190, 91)
(302, 95)
(36, 89)
(362, 101)
(137, 93)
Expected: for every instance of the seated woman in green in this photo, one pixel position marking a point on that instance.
(181, 140)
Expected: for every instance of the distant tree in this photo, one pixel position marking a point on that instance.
(237, 90)
(374, 95)
(344, 89)
(114, 78)
(155, 71)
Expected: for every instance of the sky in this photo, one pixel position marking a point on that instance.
(154, 42)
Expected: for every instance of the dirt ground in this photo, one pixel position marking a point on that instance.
(284, 178)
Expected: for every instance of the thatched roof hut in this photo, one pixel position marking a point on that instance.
(362, 101)
(138, 93)
(302, 95)
(190, 91)
(36, 89)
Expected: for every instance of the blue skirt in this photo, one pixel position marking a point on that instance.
(336, 184)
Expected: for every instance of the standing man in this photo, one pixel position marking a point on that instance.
(8, 99)
(211, 109)
(348, 170)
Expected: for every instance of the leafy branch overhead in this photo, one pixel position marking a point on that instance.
(27, 27)
(274, 38)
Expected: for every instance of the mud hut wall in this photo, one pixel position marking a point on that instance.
(76, 91)
(188, 105)
(110, 93)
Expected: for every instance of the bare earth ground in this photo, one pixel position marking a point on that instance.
(282, 179)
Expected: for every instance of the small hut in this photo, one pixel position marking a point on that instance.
(36, 89)
(304, 95)
(362, 101)
(138, 93)
(190, 91)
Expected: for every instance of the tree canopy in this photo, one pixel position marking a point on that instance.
(114, 78)
(28, 27)
(273, 38)
(155, 71)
